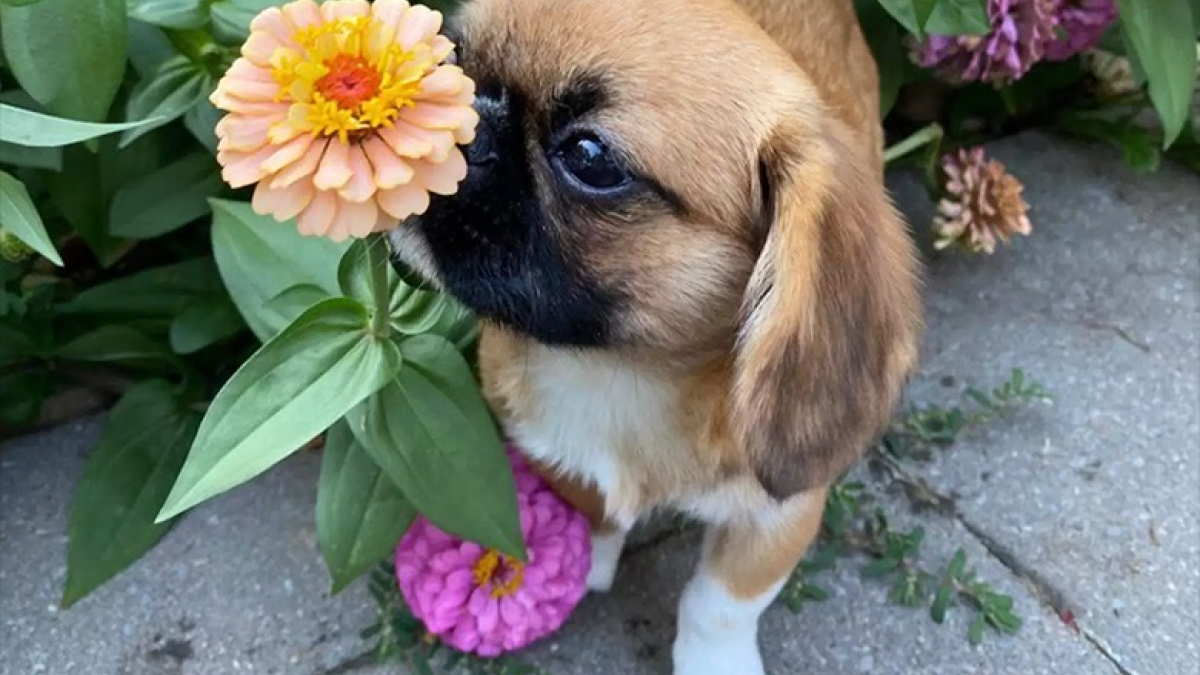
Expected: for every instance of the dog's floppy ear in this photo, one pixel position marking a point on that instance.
(831, 314)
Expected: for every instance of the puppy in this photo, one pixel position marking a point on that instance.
(695, 293)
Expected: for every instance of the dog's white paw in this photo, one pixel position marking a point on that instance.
(606, 555)
(706, 654)
(718, 633)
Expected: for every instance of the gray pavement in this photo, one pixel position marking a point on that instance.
(1089, 505)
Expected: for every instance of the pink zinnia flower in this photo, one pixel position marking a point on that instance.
(345, 115)
(480, 601)
(1021, 29)
(1081, 24)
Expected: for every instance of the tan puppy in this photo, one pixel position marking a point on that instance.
(696, 294)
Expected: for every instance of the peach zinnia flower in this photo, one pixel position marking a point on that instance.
(345, 115)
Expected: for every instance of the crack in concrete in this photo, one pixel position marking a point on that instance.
(1046, 592)
(352, 664)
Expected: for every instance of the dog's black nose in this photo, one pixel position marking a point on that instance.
(492, 106)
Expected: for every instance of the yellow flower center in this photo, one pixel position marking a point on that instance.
(347, 76)
(500, 572)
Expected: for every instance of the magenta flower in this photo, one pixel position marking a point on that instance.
(479, 600)
(1021, 30)
(1081, 24)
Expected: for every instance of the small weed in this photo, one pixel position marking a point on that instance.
(893, 557)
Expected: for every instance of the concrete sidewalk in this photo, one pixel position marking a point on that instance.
(1089, 506)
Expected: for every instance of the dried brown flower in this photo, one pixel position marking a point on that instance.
(981, 203)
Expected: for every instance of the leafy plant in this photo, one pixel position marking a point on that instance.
(850, 530)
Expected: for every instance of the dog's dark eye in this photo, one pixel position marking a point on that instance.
(591, 162)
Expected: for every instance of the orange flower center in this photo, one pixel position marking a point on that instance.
(499, 572)
(350, 81)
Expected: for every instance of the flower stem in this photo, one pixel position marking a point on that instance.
(924, 136)
(378, 249)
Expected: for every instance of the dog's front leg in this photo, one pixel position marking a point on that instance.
(742, 568)
(608, 538)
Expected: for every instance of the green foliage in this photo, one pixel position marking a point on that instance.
(69, 56)
(1161, 35)
(361, 514)
(895, 558)
(427, 422)
(20, 219)
(295, 387)
(125, 480)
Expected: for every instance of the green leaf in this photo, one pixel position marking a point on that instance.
(814, 592)
(201, 120)
(18, 3)
(175, 87)
(19, 217)
(354, 272)
(431, 433)
(886, 39)
(35, 130)
(958, 564)
(115, 344)
(959, 17)
(361, 514)
(941, 602)
(158, 292)
(292, 389)
(80, 196)
(167, 199)
(36, 158)
(259, 258)
(296, 299)
(975, 630)
(231, 18)
(880, 567)
(148, 48)
(124, 482)
(1162, 34)
(169, 13)
(911, 14)
(69, 55)
(21, 396)
(204, 323)
(1138, 146)
(415, 312)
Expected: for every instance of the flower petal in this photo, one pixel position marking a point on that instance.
(404, 143)
(389, 169)
(302, 13)
(419, 24)
(242, 169)
(284, 203)
(443, 81)
(317, 218)
(403, 201)
(303, 167)
(337, 9)
(389, 12)
(335, 167)
(443, 177)
(287, 154)
(244, 133)
(361, 185)
(435, 116)
(358, 217)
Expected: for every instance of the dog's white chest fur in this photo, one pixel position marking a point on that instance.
(599, 420)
